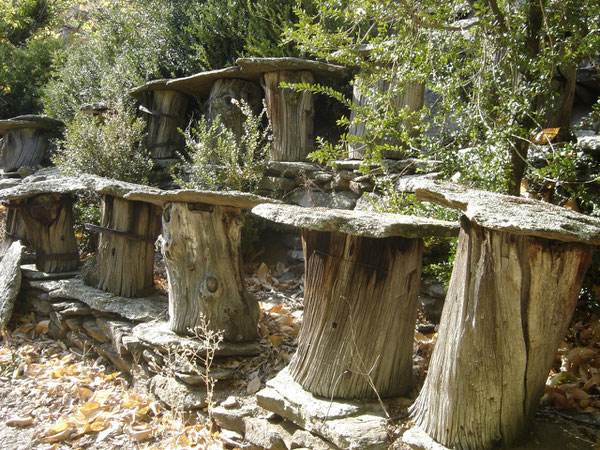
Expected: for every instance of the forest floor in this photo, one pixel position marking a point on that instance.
(54, 397)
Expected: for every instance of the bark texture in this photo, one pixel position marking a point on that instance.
(220, 102)
(125, 257)
(412, 98)
(14, 228)
(48, 220)
(201, 248)
(360, 309)
(23, 147)
(509, 304)
(291, 115)
(166, 114)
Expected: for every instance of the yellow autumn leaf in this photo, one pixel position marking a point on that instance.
(89, 408)
(276, 340)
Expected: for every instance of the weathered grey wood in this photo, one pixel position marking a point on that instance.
(509, 304)
(166, 114)
(412, 98)
(221, 102)
(10, 281)
(25, 140)
(48, 221)
(124, 261)
(201, 249)
(318, 68)
(14, 228)
(291, 115)
(360, 306)
(358, 223)
(513, 214)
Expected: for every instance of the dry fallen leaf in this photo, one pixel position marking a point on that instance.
(20, 421)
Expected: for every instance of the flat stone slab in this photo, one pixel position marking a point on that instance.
(61, 185)
(200, 84)
(318, 68)
(417, 439)
(349, 425)
(158, 334)
(29, 121)
(177, 394)
(30, 272)
(6, 183)
(136, 309)
(158, 197)
(10, 280)
(360, 223)
(513, 214)
(153, 85)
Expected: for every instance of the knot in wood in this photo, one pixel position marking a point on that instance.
(212, 284)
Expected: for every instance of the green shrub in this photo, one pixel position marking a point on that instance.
(218, 160)
(110, 149)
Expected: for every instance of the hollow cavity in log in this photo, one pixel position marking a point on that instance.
(359, 316)
(291, 114)
(125, 258)
(201, 249)
(508, 306)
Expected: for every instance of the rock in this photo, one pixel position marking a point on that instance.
(233, 418)
(318, 68)
(349, 425)
(78, 340)
(136, 309)
(360, 223)
(74, 324)
(359, 187)
(121, 363)
(235, 440)
(340, 200)
(230, 402)
(10, 280)
(271, 434)
(322, 177)
(158, 334)
(177, 395)
(37, 301)
(417, 439)
(116, 330)
(61, 185)
(290, 169)
(44, 285)
(305, 439)
(516, 215)
(31, 273)
(94, 331)
(276, 184)
(71, 308)
(407, 183)
(6, 183)
(25, 171)
(589, 144)
(198, 380)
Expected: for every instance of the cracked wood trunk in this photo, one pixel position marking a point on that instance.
(23, 147)
(291, 114)
(125, 260)
(167, 113)
(48, 220)
(14, 228)
(201, 249)
(508, 307)
(360, 310)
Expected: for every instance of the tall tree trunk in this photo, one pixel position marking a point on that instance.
(291, 115)
(360, 309)
(508, 306)
(125, 257)
(201, 249)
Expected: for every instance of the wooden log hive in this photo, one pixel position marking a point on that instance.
(291, 113)
(166, 112)
(515, 285)
(362, 282)
(25, 140)
(44, 210)
(125, 257)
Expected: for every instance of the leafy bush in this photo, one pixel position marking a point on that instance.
(112, 148)
(218, 160)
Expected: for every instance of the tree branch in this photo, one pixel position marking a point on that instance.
(498, 14)
(435, 26)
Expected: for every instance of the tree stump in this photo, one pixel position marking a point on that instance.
(412, 98)
(220, 102)
(291, 115)
(201, 249)
(515, 285)
(48, 220)
(14, 228)
(125, 257)
(25, 140)
(362, 283)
